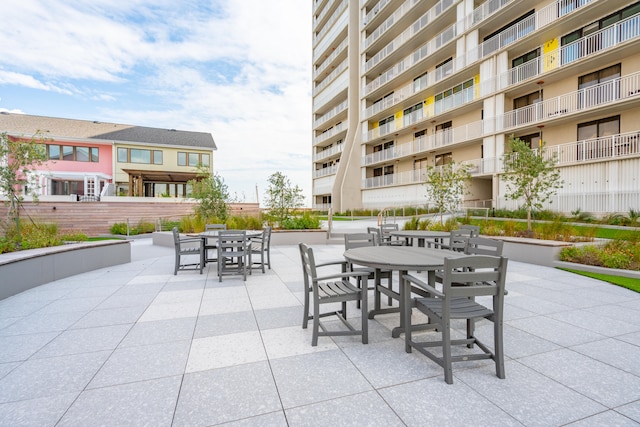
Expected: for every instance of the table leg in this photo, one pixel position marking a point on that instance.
(395, 333)
(379, 289)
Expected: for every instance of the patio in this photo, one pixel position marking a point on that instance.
(136, 345)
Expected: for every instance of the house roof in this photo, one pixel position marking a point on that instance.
(57, 128)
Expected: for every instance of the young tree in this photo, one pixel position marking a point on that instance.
(531, 175)
(282, 198)
(18, 157)
(446, 185)
(212, 193)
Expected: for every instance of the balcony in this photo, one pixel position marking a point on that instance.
(542, 18)
(421, 23)
(338, 50)
(479, 14)
(331, 170)
(331, 114)
(620, 89)
(331, 77)
(332, 20)
(325, 154)
(623, 145)
(328, 134)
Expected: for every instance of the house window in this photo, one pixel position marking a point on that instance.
(444, 133)
(385, 121)
(593, 90)
(530, 56)
(71, 153)
(444, 69)
(443, 159)
(123, 155)
(533, 140)
(139, 156)
(420, 82)
(53, 152)
(526, 100)
(157, 157)
(82, 154)
(193, 159)
(596, 139)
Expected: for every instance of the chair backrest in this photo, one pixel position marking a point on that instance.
(232, 240)
(176, 237)
(266, 237)
(386, 228)
(376, 232)
(308, 265)
(215, 227)
(487, 273)
(484, 246)
(458, 239)
(359, 240)
(475, 229)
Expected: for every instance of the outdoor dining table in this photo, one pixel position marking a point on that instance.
(430, 236)
(402, 259)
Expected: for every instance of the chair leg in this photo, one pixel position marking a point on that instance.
(446, 353)
(364, 315)
(177, 263)
(316, 323)
(305, 318)
(498, 351)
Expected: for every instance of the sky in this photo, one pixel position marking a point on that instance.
(238, 69)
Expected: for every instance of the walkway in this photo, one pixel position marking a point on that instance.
(135, 345)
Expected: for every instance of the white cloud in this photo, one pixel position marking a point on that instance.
(239, 70)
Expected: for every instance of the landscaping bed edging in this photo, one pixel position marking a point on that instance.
(27, 269)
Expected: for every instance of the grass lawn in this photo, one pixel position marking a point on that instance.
(625, 282)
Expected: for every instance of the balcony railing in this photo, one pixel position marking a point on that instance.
(335, 73)
(320, 155)
(604, 93)
(377, 8)
(331, 170)
(597, 149)
(331, 113)
(328, 134)
(479, 14)
(336, 15)
(542, 18)
(417, 26)
(341, 47)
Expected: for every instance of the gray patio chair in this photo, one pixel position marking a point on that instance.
(214, 245)
(233, 253)
(331, 288)
(475, 229)
(359, 240)
(457, 240)
(388, 239)
(261, 249)
(487, 273)
(184, 246)
(380, 239)
(484, 246)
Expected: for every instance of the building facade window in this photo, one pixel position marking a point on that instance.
(72, 153)
(138, 155)
(597, 139)
(193, 159)
(443, 159)
(593, 88)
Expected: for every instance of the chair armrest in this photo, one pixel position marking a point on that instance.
(422, 284)
(190, 240)
(332, 262)
(344, 274)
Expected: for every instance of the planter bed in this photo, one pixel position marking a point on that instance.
(26, 269)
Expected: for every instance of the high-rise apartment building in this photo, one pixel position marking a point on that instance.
(400, 85)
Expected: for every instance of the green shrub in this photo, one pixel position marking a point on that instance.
(74, 237)
(304, 222)
(119, 228)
